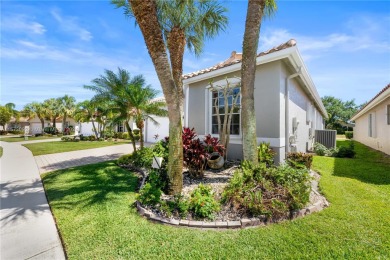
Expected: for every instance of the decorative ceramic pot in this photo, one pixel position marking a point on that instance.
(216, 161)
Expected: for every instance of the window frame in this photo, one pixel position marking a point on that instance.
(209, 110)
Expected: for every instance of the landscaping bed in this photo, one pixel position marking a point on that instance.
(226, 217)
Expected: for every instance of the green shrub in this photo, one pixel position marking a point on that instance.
(349, 134)
(92, 138)
(299, 160)
(3, 132)
(125, 135)
(118, 135)
(202, 202)
(274, 191)
(346, 151)
(178, 206)
(149, 195)
(320, 149)
(141, 158)
(266, 154)
(158, 178)
(136, 131)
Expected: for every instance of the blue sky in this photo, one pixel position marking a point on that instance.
(53, 48)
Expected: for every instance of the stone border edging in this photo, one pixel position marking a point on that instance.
(243, 223)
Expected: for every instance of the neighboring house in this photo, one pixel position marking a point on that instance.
(288, 107)
(372, 122)
(36, 125)
(17, 124)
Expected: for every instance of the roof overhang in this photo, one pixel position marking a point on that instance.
(291, 54)
(379, 99)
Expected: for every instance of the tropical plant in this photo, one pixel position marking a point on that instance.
(15, 113)
(257, 9)
(35, 109)
(339, 112)
(86, 112)
(202, 202)
(52, 109)
(144, 107)
(5, 116)
(266, 154)
(127, 97)
(179, 23)
(67, 107)
(194, 153)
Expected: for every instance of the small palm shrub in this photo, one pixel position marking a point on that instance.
(202, 202)
(258, 190)
(340, 152)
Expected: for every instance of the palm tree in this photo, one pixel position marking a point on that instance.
(52, 110)
(86, 112)
(67, 107)
(143, 106)
(36, 109)
(11, 109)
(179, 23)
(256, 10)
(123, 93)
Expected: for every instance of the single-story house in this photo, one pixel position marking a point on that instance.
(17, 124)
(372, 122)
(36, 125)
(287, 106)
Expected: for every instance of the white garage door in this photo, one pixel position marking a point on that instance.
(35, 128)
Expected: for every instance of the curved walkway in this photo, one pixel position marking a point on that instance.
(28, 229)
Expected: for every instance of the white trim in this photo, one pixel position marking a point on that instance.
(186, 99)
(373, 103)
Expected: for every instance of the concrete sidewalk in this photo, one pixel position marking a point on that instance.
(57, 161)
(28, 229)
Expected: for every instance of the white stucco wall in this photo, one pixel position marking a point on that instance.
(151, 130)
(381, 130)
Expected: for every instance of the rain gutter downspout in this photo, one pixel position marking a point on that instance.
(287, 109)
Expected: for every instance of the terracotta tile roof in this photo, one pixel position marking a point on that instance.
(236, 58)
(377, 95)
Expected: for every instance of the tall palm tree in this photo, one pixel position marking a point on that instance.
(178, 23)
(52, 109)
(257, 9)
(11, 108)
(67, 107)
(36, 109)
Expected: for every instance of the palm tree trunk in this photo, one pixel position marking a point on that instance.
(94, 129)
(42, 124)
(145, 13)
(131, 135)
(63, 122)
(141, 137)
(248, 70)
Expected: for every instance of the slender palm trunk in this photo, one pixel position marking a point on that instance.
(145, 13)
(94, 129)
(63, 122)
(131, 135)
(42, 124)
(248, 70)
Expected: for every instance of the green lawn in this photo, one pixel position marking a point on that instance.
(60, 147)
(93, 209)
(1, 151)
(30, 138)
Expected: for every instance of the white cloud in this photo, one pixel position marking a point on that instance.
(21, 23)
(361, 33)
(70, 24)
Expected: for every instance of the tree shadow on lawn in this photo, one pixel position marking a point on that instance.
(88, 185)
(369, 165)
